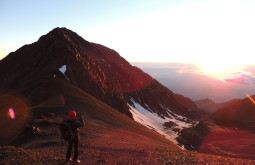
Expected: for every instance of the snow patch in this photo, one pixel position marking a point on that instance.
(62, 69)
(155, 122)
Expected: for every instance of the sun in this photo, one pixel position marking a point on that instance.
(218, 70)
(215, 68)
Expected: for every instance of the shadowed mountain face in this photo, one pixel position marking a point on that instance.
(94, 68)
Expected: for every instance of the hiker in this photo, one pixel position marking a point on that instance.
(76, 121)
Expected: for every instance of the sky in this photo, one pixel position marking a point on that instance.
(209, 32)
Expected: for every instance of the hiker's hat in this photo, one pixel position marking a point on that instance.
(72, 114)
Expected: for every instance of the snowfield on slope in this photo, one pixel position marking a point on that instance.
(63, 70)
(155, 122)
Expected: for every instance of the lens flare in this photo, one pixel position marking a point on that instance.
(252, 100)
(11, 113)
(14, 116)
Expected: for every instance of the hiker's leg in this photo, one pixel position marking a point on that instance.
(69, 149)
(76, 147)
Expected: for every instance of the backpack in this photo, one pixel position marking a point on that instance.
(66, 130)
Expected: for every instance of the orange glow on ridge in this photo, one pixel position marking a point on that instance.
(252, 100)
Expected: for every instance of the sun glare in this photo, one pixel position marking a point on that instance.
(215, 68)
(219, 70)
(252, 100)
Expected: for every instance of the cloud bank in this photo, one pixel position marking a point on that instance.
(241, 77)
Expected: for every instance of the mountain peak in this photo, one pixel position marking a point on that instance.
(57, 32)
(205, 101)
(61, 32)
(93, 68)
(63, 35)
(60, 29)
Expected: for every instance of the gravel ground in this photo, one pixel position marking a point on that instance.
(116, 147)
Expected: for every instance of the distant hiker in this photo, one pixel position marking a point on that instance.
(70, 132)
